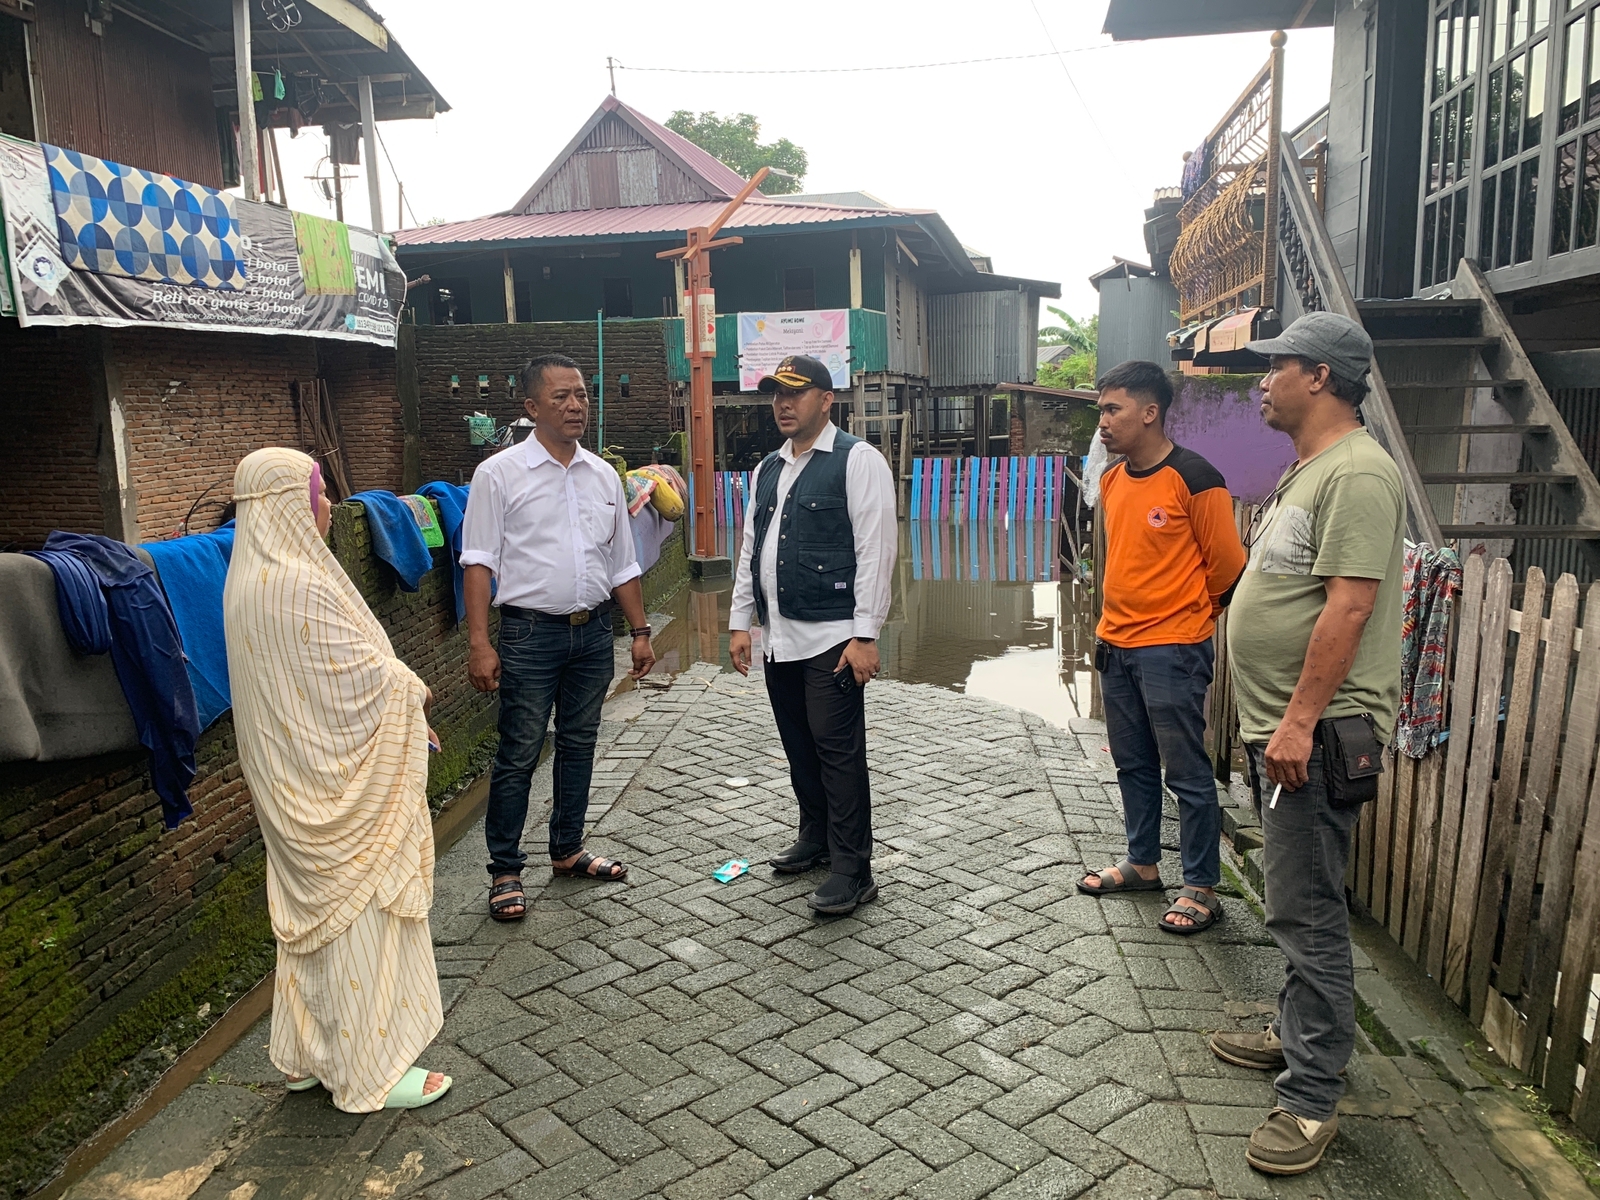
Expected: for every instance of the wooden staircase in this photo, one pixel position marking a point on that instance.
(1495, 459)
(1486, 461)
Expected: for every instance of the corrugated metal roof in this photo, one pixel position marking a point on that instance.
(707, 165)
(637, 221)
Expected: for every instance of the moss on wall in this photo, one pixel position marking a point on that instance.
(100, 1081)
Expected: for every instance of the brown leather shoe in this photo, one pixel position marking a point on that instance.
(1261, 1051)
(1279, 1146)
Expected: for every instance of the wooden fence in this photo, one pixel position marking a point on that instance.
(1483, 857)
(1030, 488)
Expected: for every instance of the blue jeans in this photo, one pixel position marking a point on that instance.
(544, 664)
(1306, 847)
(1155, 714)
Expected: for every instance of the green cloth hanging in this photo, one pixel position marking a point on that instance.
(277, 84)
(255, 86)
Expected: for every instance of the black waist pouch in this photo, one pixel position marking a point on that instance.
(1352, 759)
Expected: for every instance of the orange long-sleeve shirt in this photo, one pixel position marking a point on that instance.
(1172, 551)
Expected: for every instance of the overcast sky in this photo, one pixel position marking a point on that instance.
(1048, 184)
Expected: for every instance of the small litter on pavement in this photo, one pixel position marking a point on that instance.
(736, 782)
(731, 870)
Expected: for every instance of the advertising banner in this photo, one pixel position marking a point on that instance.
(766, 339)
(91, 242)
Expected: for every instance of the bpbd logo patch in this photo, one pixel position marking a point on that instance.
(1157, 517)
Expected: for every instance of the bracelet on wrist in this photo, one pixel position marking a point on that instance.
(639, 633)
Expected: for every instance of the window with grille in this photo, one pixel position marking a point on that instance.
(1454, 53)
(1575, 200)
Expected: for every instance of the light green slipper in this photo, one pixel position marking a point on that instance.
(408, 1092)
(303, 1085)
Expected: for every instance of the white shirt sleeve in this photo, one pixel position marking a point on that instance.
(624, 553)
(869, 486)
(741, 615)
(482, 527)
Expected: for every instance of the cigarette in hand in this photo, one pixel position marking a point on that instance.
(1273, 803)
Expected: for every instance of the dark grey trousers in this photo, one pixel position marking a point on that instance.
(1307, 844)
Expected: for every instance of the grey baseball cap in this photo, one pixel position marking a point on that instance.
(1323, 337)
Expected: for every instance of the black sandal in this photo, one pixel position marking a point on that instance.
(580, 868)
(1200, 918)
(497, 906)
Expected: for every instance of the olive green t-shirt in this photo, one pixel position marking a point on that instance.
(1340, 514)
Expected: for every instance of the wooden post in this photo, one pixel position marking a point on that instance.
(119, 502)
(244, 84)
(369, 140)
(511, 286)
(1269, 219)
(855, 273)
(705, 561)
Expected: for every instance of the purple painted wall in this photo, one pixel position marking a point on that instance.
(1219, 418)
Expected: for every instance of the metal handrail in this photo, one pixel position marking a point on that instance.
(1321, 284)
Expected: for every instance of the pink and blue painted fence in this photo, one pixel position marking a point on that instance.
(981, 489)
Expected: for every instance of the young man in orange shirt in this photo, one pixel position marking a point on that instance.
(1173, 556)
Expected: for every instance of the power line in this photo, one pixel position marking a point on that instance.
(1059, 56)
(378, 129)
(923, 66)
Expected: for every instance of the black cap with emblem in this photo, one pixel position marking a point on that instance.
(797, 373)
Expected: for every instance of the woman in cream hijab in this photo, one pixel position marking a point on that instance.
(333, 740)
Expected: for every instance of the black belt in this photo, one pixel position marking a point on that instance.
(577, 618)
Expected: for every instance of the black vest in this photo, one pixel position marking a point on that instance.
(817, 545)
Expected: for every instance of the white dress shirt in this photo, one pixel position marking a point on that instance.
(869, 495)
(557, 538)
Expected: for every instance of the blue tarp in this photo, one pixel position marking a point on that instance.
(452, 502)
(396, 537)
(193, 571)
(128, 604)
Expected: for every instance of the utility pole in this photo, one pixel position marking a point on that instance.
(611, 70)
(244, 82)
(700, 345)
(369, 137)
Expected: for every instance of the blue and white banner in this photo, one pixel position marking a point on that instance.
(91, 242)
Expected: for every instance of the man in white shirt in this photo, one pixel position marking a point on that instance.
(549, 522)
(814, 570)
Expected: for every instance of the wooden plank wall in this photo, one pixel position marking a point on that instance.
(1482, 859)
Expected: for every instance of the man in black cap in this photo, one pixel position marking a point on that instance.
(814, 569)
(1314, 641)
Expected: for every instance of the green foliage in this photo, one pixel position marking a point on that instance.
(1076, 371)
(734, 141)
(1082, 336)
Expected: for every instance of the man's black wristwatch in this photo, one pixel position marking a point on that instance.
(639, 633)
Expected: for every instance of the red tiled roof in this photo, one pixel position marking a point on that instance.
(665, 219)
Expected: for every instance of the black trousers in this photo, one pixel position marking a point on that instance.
(824, 732)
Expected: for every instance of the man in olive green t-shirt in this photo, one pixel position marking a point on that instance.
(1314, 634)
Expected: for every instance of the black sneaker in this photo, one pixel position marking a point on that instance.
(799, 858)
(841, 893)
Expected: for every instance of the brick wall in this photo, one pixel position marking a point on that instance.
(107, 920)
(47, 454)
(194, 405)
(361, 379)
(635, 422)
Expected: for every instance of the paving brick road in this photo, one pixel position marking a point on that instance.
(980, 1030)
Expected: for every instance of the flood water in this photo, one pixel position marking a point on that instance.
(976, 608)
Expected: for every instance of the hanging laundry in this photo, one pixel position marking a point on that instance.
(56, 703)
(452, 502)
(192, 571)
(1432, 582)
(396, 537)
(111, 600)
(1195, 170)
